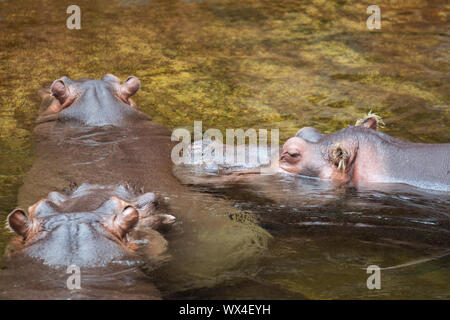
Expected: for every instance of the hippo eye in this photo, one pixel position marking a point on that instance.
(293, 154)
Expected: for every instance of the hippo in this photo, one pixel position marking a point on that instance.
(88, 226)
(357, 155)
(371, 121)
(361, 154)
(93, 103)
(90, 132)
(114, 229)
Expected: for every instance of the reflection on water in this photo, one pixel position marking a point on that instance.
(324, 238)
(261, 64)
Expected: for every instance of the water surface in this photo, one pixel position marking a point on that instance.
(260, 64)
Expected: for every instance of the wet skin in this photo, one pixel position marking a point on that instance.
(361, 155)
(91, 132)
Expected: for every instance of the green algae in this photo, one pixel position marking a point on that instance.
(238, 64)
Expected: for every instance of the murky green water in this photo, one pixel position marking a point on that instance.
(261, 64)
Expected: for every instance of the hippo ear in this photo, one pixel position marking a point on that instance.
(129, 87)
(342, 156)
(371, 121)
(19, 222)
(60, 91)
(125, 221)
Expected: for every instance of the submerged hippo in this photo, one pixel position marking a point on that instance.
(106, 232)
(93, 103)
(90, 226)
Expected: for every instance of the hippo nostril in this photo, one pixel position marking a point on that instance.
(131, 78)
(129, 87)
(58, 89)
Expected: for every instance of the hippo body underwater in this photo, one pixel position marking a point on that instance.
(91, 133)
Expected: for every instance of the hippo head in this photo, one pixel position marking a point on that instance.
(330, 156)
(88, 227)
(92, 102)
(321, 159)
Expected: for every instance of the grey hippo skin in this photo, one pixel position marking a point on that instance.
(361, 154)
(90, 133)
(88, 226)
(93, 103)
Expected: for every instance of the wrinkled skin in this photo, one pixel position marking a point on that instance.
(91, 132)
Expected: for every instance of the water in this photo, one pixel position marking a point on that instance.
(324, 238)
(260, 64)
